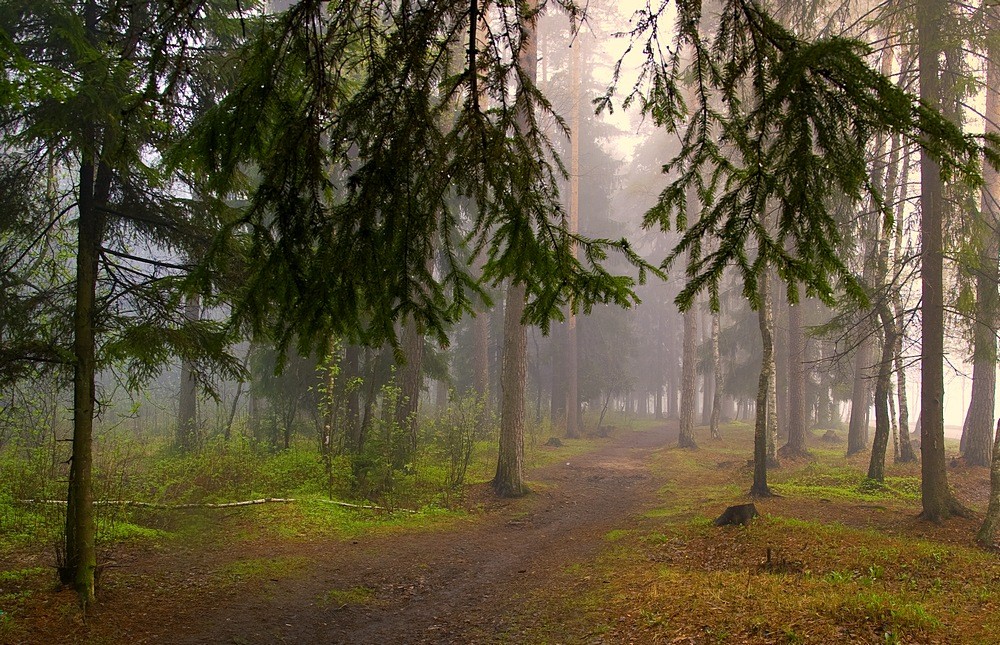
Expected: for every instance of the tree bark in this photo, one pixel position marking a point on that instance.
(906, 452)
(857, 429)
(187, 400)
(989, 526)
(689, 376)
(572, 370)
(936, 498)
(760, 435)
(80, 562)
(976, 444)
(796, 444)
(713, 422)
(876, 465)
(410, 384)
(509, 479)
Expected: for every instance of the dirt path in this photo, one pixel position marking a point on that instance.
(458, 585)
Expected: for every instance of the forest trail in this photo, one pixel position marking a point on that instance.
(461, 584)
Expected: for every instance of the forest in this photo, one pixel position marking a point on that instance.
(499, 321)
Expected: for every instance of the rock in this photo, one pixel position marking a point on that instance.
(554, 442)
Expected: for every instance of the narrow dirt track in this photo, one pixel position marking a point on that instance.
(457, 585)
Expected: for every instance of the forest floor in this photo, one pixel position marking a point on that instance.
(614, 545)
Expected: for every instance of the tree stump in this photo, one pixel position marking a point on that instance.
(740, 514)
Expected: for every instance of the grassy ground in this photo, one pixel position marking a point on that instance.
(30, 532)
(833, 560)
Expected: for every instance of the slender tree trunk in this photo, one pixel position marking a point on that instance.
(857, 430)
(906, 452)
(708, 374)
(351, 374)
(557, 402)
(760, 435)
(572, 349)
(689, 376)
(713, 422)
(772, 405)
(796, 384)
(989, 527)
(876, 466)
(976, 444)
(187, 400)
(936, 498)
(80, 563)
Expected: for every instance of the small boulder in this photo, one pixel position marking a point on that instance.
(554, 442)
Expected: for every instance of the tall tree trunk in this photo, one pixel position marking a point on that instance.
(187, 400)
(572, 349)
(410, 384)
(876, 465)
(936, 498)
(796, 384)
(351, 374)
(976, 444)
(509, 478)
(713, 422)
(989, 527)
(760, 435)
(857, 429)
(708, 374)
(689, 376)
(906, 452)
(80, 562)
(557, 390)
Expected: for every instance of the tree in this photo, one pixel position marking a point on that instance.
(936, 498)
(107, 81)
(796, 444)
(509, 478)
(976, 446)
(761, 435)
(689, 377)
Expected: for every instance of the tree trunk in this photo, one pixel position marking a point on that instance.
(876, 465)
(976, 442)
(557, 402)
(572, 373)
(713, 422)
(187, 400)
(857, 430)
(410, 384)
(936, 498)
(572, 349)
(760, 435)
(689, 376)
(80, 562)
(351, 374)
(989, 527)
(796, 384)
(509, 479)
(906, 452)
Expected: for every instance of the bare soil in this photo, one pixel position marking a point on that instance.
(474, 581)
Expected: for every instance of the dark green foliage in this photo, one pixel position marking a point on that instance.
(777, 127)
(350, 132)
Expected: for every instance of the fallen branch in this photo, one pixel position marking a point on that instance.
(249, 502)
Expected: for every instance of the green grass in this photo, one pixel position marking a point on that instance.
(260, 569)
(346, 597)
